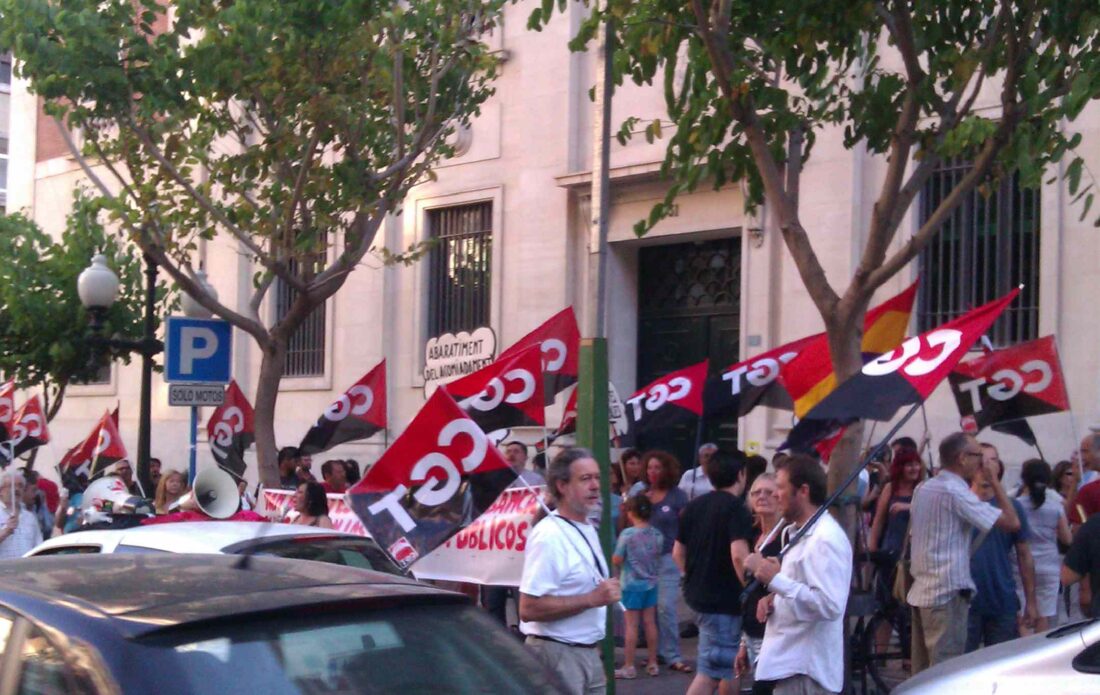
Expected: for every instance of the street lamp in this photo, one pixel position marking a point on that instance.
(98, 290)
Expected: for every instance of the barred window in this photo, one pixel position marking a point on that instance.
(101, 376)
(989, 245)
(305, 354)
(460, 272)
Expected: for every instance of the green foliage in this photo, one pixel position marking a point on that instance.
(42, 322)
(285, 123)
(787, 64)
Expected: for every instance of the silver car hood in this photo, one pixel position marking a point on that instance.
(1038, 664)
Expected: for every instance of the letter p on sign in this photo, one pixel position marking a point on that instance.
(198, 351)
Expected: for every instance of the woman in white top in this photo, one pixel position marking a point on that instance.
(1046, 516)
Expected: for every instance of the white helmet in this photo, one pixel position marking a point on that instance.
(108, 494)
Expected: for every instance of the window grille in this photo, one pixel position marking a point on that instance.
(987, 246)
(305, 354)
(460, 268)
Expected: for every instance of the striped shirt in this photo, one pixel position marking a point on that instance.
(944, 514)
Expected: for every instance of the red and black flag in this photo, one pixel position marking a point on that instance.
(903, 376)
(1010, 384)
(568, 423)
(560, 341)
(439, 476)
(358, 414)
(28, 431)
(230, 430)
(7, 408)
(755, 381)
(99, 450)
(809, 378)
(506, 393)
(674, 399)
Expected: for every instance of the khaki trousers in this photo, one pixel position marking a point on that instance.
(800, 685)
(579, 668)
(939, 633)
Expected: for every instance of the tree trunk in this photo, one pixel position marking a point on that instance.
(845, 334)
(267, 393)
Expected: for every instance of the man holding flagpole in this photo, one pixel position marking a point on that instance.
(19, 531)
(566, 586)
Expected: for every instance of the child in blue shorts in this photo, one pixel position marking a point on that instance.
(638, 555)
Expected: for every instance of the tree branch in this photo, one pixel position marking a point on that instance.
(794, 234)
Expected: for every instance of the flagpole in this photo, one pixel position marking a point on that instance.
(824, 508)
(927, 440)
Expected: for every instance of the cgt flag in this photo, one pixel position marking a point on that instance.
(904, 376)
(7, 408)
(745, 385)
(436, 478)
(1017, 382)
(230, 430)
(358, 414)
(560, 341)
(28, 431)
(99, 450)
(506, 393)
(809, 377)
(673, 399)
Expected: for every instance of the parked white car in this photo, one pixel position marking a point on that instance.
(227, 538)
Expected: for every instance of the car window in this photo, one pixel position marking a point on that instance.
(44, 669)
(136, 550)
(335, 550)
(70, 550)
(358, 650)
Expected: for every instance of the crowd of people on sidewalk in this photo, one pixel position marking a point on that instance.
(970, 562)
(46, 510)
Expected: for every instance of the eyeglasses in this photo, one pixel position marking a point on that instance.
(761, 493)
(974, 453)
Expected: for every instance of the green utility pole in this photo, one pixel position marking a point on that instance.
(592, 433)
(592, 389)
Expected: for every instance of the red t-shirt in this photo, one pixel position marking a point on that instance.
(53, 496)
(329, 489)
(1088, 499)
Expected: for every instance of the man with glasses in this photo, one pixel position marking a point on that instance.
(944, 514)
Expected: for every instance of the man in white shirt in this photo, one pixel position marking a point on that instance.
(694, 481)
(943, 515)
(19, 531)
(565, 588)
(803, 648)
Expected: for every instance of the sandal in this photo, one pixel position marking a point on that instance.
(626, 672)
(680, 667)
(652, 669)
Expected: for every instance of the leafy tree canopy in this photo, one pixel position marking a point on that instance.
(42, 322)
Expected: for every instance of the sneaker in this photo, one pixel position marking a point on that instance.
(626, 672)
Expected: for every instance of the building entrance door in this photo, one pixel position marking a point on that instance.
(689, 307)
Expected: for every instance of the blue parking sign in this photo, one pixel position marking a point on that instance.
(197, 351)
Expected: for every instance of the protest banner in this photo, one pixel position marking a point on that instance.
(490, 550)
(279, 505)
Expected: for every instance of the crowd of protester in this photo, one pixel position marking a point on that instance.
(982, 562)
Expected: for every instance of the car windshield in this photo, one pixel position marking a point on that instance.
(428, 649)
(335, 550)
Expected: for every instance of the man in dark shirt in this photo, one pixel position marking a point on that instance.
(711, 547)
(1084, 558)
(289, 461)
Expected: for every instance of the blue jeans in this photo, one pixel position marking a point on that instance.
(987, 630)
(719, 640)
(668, 622)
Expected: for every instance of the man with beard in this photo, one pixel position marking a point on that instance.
(565, 588)
(803, 648)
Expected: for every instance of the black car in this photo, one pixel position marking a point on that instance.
(170, 624)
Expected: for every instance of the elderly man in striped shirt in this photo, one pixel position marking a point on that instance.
(943, 515)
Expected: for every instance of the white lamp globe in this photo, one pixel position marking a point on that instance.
(97, 284)
(188, 303)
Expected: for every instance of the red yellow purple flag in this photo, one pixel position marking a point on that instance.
(809, 377)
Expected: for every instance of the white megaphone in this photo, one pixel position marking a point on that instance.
(214, 494)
